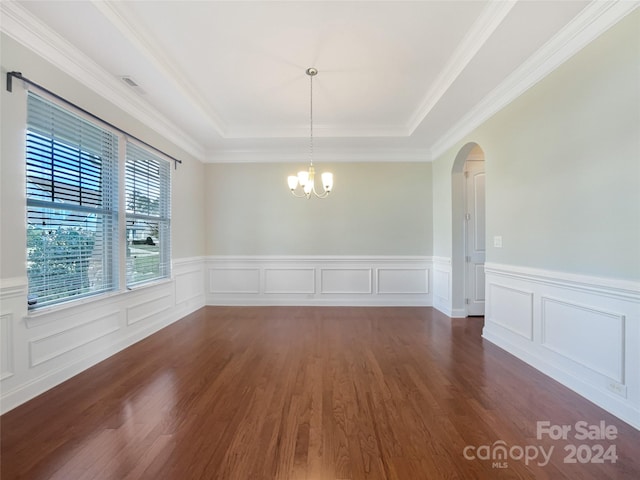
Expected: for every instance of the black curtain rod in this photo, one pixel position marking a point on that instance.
(18, 75)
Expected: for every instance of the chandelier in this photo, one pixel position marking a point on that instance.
(303, 184)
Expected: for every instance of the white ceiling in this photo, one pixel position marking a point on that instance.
(398, 80)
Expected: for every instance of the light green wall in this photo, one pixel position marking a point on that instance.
(442, 169)
(188, 184)
(563, 166)
(375, 209)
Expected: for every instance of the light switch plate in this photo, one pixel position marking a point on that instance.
(497, 241)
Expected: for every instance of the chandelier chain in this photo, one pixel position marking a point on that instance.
(311, 121)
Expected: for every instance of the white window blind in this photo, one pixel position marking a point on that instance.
(148, 207)
(72, 188)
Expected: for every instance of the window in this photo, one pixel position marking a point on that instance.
(71, 204)
(73, 201)
(147, 205)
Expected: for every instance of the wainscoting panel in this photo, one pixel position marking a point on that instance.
(189, 286)
(346, 280)
(512, 309)
(71, 337)
(149, 307)
(582, 331)
(6, 346)
(403, 280)
(43, 348)
(319, 280)
(189, 282)
(289, 280)
(234, 280)
(13, 294)
(585, 335)
(442, 294)
(480, 289)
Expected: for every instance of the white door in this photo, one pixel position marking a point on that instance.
(474, 237)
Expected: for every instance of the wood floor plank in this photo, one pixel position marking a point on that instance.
(293, 393)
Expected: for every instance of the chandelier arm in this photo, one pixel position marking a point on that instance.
(324, 194)
(293, 192)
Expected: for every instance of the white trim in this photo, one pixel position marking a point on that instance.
(619, 320)
(613, 287)
(7, 367)
(526, 313)
(366, 288)
(444, 261)
(458, 313)
(488, 21)
(263, 155)
(354, 280)
(442, 287)
(32, 386)
(591, 22)
(12, 287)
(364, 259)
(618, 407)
(115, 13)
(594, 19)
(293, 286)
(157, 308)
(56, 344)
(414, 289)
(336, 131)
(186, 261)
(25, 28)
(35, 360)
(584, 331)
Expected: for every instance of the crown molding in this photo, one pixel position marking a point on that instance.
(318, 131)
(491, 17)
(26, 29)
(116, 14)
(595, 18)
(343, 156)
(591, 22)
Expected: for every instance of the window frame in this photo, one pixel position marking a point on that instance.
(134, 152)
(118, 247)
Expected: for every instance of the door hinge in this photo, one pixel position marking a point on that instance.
(466, 300)
(467, 258)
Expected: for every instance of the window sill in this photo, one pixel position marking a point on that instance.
(69, 305)
(149, 284)
(65, 309)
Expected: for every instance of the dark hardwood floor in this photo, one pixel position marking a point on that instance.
(317, 393)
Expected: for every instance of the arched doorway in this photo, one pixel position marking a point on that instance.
(468, 235)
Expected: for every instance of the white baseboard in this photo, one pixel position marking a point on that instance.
(319, 280)
(582, 331)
